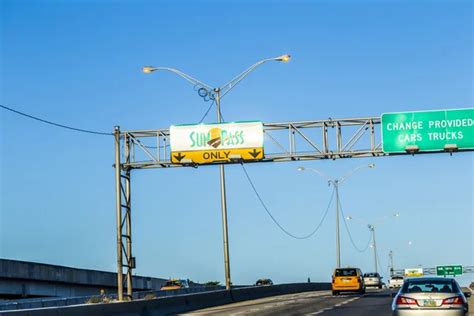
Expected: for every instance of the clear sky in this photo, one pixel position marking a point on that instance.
(79, 63)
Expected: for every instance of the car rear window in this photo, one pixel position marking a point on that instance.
(346, 272)
(427, 286)
(371, 275)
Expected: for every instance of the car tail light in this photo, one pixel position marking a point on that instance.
(456, 300)
(332, 279)
(402, 300)
(359, 280)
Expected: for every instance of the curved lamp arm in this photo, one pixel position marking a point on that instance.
(320, 173)
(350, 173)
(194, 81)
(232, 83)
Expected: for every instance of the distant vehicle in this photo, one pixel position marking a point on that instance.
(347, 280)
(264, 282)
(395, 281)
(175, 285)
(373, 279)
(430, 296)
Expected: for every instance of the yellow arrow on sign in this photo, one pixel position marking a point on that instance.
(218, 155)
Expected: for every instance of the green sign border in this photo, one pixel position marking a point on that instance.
(450, 266)
(419, 111)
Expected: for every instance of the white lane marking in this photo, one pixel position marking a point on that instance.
(337, 305)
(321, 311)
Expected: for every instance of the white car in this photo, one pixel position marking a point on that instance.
(395, 281)
(373, 279)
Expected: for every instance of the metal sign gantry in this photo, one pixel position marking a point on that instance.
(432, 271)
(287, 141)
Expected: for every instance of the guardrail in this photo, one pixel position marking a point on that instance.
(173, 304)
(67, 301)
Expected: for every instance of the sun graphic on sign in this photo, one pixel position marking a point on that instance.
(215, 140)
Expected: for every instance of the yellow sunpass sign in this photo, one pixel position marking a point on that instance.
(224, 142)
(414, 272)
(208, 156)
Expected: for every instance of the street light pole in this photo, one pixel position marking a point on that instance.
(338, 245)
(208, 93)
(336, 183)
(372, 229)
(223, 201)
(390, 254)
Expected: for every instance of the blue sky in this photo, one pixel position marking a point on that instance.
(78, 63)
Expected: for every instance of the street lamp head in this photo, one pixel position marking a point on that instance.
(284, 58)
(371, 165)
(148, 69)
(300, 169)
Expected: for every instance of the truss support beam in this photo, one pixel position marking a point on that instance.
(286, 141)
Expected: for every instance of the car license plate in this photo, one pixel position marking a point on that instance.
(429, 303)
(346, 280)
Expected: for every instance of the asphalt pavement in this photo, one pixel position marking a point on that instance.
(374, 302)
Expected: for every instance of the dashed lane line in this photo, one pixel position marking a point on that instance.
(337, 305)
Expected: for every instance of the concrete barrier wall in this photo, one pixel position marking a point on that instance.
(54, 302)
(32, 271)
(174, 304)
(32, 288)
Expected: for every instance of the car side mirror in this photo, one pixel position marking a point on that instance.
(467, 294)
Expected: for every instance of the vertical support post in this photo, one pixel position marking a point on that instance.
(372, 135)
(291, 139)
(223, 203)
(118, 204)
(338, 138)
(338, 245)
(128, 219)
(325, 138)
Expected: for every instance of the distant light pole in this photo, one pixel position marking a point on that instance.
(336, 183)
(374, 245)
(372, 230)
(208, 93)
(390, 255)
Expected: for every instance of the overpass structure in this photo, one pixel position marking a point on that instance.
(20, 279)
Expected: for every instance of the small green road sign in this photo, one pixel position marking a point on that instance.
(428, 131)
(449, 270)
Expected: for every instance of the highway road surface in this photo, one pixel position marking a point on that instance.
(374, 302)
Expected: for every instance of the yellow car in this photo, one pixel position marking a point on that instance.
(347, 280)
(175, 285)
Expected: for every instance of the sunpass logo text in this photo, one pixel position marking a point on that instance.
(216, 137)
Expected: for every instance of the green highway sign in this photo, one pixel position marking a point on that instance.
(428, 130)
(449, 270)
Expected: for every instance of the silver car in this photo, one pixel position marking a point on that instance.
(430, 297)
(373, 279)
